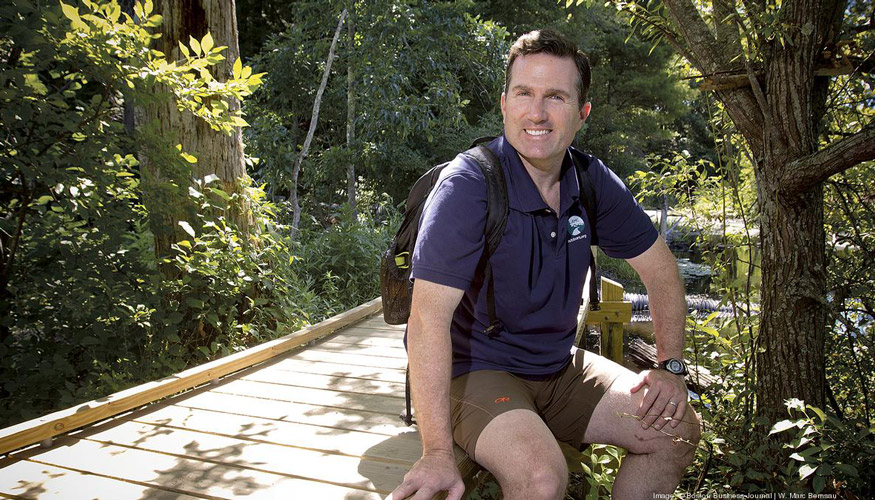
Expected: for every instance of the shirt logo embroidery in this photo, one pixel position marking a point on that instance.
(575, 228)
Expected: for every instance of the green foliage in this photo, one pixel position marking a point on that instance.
(84, 310)
(827, 450)
(414, 103)
(342, 261)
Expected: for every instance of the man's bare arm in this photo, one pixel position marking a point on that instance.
(658, 269)
(666, 395)
(429, 351)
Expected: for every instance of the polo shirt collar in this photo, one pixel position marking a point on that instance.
(522, 193)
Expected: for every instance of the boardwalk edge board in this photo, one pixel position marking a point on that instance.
(43, 429)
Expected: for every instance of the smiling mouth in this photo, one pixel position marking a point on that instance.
(537, 132)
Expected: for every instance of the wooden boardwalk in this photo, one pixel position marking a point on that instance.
(314, 414)
(317, 422)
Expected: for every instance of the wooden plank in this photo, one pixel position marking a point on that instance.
(352, 359)
(378, 323)
(349, 337)
(370, 331)
(206, 478)
(377, 423)
(48, 426)
(296, 365)
(24, 479)
(390, 405)
(351, 472)
(331, 382)
(611, 312)
(612, 342)
(406, 449)
(611, 290)
(397, 352)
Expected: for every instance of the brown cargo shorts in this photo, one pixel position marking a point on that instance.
(565, 400)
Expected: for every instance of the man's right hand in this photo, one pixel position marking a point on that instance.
(435, 472)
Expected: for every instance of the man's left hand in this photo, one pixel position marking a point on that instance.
(664, 401)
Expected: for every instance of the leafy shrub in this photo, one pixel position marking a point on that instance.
(342, 261)
(85, 310)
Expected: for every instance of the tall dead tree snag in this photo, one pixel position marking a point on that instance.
(218, 153)
(314, 120)
(775, 88)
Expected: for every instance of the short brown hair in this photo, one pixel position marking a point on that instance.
(551, 42)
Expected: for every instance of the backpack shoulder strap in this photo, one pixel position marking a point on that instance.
(590, 203)
(496, 221)
(496, 194)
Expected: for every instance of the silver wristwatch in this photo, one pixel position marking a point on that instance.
(673, 365)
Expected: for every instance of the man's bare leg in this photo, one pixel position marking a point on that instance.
(656, 462)
(522, 454)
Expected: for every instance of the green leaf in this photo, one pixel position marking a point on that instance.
(806, 470)
(195, 303)
(70, 12)
(195, 45)
(849, 470)
(207, 42)
(819, 483)
(782, 426)
(819, 413)
(238, 66)
(187, 228)
(32, 80)
(183, 49)
(189, 158)
(221, 194)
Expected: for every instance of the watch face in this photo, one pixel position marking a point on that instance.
(674, 366)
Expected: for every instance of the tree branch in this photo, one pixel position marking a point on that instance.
(817, 167)
(698, 36)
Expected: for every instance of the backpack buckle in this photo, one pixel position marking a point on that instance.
(401, 260)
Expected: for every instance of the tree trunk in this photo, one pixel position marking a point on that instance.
(779, 121)
(217, 153)
(790, 362)
(350, 119)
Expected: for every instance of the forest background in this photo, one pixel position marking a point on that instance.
(169, 199)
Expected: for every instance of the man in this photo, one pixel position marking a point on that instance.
(506, 396)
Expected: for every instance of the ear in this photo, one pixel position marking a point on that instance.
(584, 111)
(503, 104)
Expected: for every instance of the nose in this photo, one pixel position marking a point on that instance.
(537, 111)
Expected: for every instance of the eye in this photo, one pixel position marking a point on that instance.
(556, 97)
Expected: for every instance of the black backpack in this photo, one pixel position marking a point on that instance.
(395, 286)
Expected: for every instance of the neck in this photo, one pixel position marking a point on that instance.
(546, 179)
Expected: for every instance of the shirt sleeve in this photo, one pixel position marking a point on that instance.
(451, 232)
(623, 229)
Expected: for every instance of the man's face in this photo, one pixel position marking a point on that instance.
(541, 109)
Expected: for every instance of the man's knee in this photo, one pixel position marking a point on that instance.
(686, 437)
(547, 480)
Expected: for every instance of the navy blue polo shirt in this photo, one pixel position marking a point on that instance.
(539, 267)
